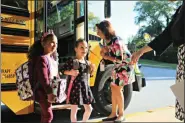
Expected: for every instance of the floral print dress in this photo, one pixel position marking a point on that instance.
(122, 72)
(80, 92)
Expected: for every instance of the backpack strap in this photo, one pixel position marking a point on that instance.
(88, 64)
(75, 64)
(75, 67)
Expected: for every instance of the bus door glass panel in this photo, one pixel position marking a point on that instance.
(61, 20)
(95, 15)
(59, 11)
(80, 19)
(39, 19)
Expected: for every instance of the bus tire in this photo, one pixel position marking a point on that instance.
(102, 93)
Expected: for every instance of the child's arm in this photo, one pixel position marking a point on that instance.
(71, 72)
(43, 77)
(67, 69)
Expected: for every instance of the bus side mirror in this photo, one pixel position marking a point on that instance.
(107, 9)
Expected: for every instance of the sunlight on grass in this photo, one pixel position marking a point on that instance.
(157, 64)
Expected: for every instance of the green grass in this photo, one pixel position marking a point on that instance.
(157, 64)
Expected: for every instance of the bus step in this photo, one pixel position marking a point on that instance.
(61, 106)
(37, 109)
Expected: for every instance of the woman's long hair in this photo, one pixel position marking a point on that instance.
(107, 29)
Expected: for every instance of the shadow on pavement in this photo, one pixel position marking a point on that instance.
(60, 116)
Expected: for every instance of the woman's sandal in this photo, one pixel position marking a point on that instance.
(120, 120)
(110, 119)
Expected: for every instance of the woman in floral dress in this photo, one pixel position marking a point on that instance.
(116, 53)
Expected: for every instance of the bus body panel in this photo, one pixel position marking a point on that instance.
(94, 57)
(15, 40)
(13, 21)
(16, 37)
(10, 62)
(13, 102)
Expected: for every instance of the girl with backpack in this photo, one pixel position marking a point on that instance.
(80, 92)
(40, 55)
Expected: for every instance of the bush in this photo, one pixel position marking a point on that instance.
(169, 56)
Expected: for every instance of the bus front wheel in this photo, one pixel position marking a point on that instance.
(102, 92)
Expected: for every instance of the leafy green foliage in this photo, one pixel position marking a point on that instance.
(152, 17)
(92, 20)
(60, 14)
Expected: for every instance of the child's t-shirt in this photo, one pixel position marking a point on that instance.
(53, 66)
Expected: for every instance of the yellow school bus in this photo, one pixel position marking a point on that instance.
(24, 21)
(17, 34)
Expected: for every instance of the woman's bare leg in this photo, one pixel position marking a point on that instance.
(114, 104)
(120, 101)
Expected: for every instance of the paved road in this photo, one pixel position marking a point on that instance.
(153, 73)
(157, 94)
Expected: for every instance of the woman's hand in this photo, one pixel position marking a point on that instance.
(106, 49)
(74, 72)
(92, 68)
(135, 57)
(51, 98)
(103, 51)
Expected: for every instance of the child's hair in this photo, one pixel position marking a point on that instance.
(80, 40)
(37, 49)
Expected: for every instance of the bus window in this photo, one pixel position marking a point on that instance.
(95, 15)
(16, 3)
(61, 19)
(39, 19)
(81, 8)
(60, 12)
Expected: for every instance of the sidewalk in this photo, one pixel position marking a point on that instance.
(166, 114)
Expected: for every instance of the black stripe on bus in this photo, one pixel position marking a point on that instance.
(14, 11)
(15, 31)
(8, 87)
(80, 20)
(94, 38)
(14, 48)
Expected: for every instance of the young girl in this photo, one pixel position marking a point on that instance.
(43, 67)
(80, 93)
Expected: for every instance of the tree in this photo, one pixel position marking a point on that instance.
(153, 17)
(92, 20)
(156, 15)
